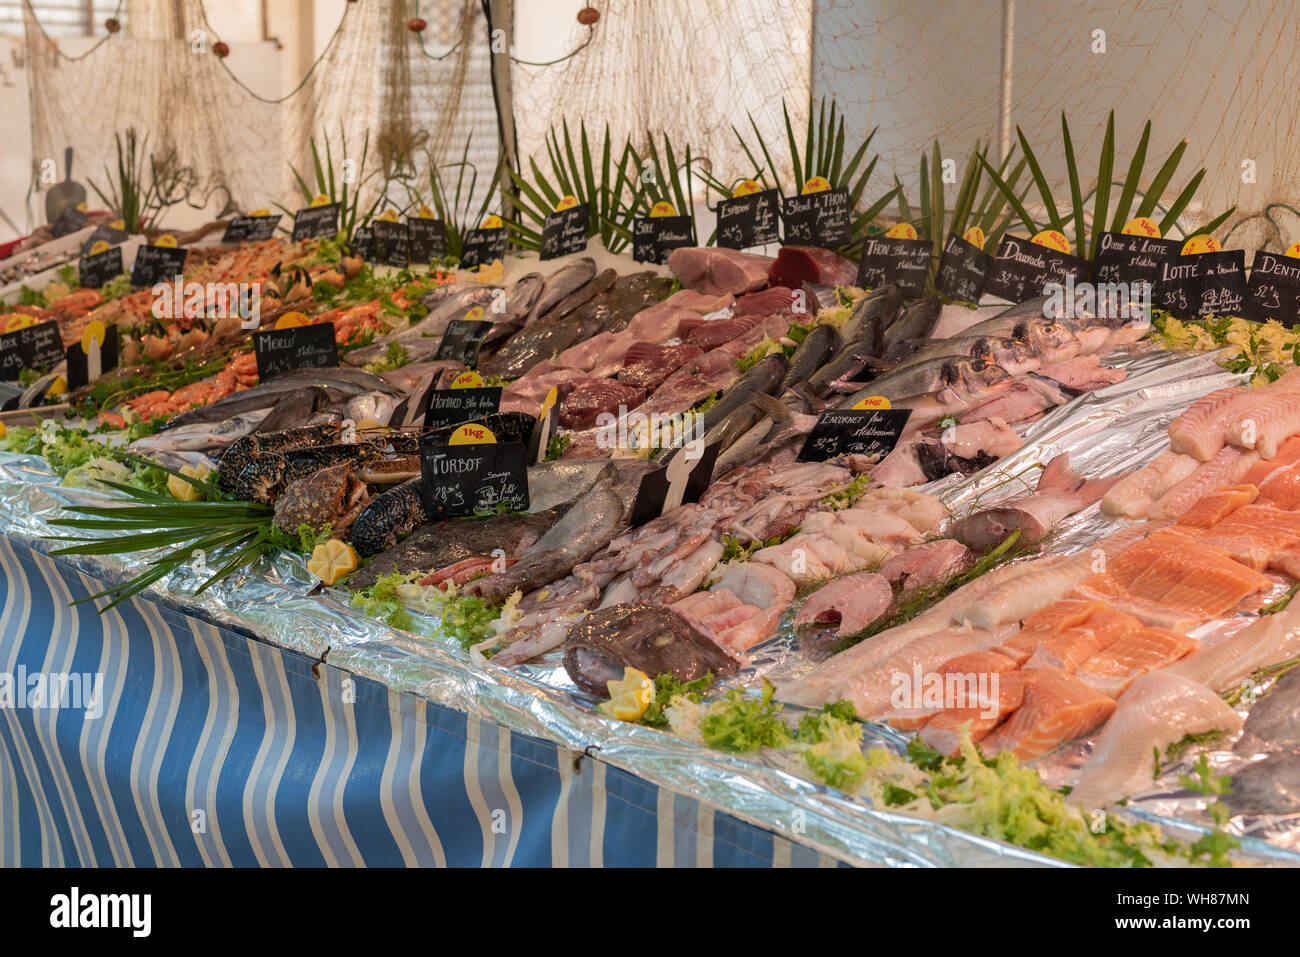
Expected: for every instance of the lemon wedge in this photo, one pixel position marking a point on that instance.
(628, 698)
(182, 489)
(58, 387)
(3, 430)
(331, 560)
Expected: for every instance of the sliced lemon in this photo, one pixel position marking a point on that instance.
(628, 698)
(331, 560)
(182, 489)
(291, 320)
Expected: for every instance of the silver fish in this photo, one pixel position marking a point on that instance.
(560, 284)
(200, 436)
(422, 339)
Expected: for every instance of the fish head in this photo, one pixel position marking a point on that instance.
(1013, 355)
(971, 376)
(1051, 340)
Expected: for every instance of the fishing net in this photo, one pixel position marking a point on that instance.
(1213, 72)
(403, 101)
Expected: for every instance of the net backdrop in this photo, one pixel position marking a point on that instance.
(1218, 73)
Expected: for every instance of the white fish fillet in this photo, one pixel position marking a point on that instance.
(1270, 639)
(1133, 496)
(1226, 468)
(1156, 711)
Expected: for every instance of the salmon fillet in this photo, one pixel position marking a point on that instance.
(1074, 646)
(1216, 506)
(1254, 534)
(974, 663)
(1281, 487)
(1057, 617)
(1287, 560)
(1287, 455)
(1121, 663)
(1266, 424)
(943, 731)
(1057, 708)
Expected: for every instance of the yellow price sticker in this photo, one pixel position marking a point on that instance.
(492, 222)
(425, 213)
(390, 216)
(745, 188)
(1293, 250)
(292, 320)
(260, 212)
(95, 331)
(99, 247)
(816, 184)
(566, 202)
(472, 435)
(83, 207)
(15, 321)
(117, 224)
(1198, 245)
(901, 231)
(1141, 226)
(474, 315)
(548, 403)
(1052, 239)
(975, 236)
(166, 241)
(321, 200)
(467, 380)
(663, 208)
(873, 402)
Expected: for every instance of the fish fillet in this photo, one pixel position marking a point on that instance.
(1225, 468)
(1057, 708)
(1134, 494)
(1253, 534)
(1111, 671)
(1266, 424)
(1156, 711)
(974, 663)
(1281, 487)
(1266, 641)
(943, 731)
(1198, 432)
(1287, 455)
(1216, 506)
(853, 602)
(1073, 646)
(875, 692)
(1057, 617)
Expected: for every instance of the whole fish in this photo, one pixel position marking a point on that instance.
(584, 295)
(522, 296)
(872, 315)
(818, 346)
(588, 525)
(856, 362)
(765, 376)
(650, 638)
(200, 436)
(1051, 340)
(1274, 721)
(560, 284)
(371, 405)
(1271, 786)
(1014, 355)
(422, 339)
(912, 327)
(559, 481)
(340, 384)
(294, 409)
(964, 376)
(1061, 492)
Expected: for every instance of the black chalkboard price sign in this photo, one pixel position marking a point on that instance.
(902, 261)
(426, 239)
(1195, 286)
(817, 219)
(155, 264)
(454, 406)
(1274, 288)
(94, 271)
(963, 270)
(654, 237)
(300, 347)
(682, 480)
(565, 232)
(35, 347)
(462, 339)
(316, 222)
(750, 220)
(106, 234)
(482, 246)
(1024, 269)
(84, 368)
(1131, 259)
(389, 244)
(460, 480)
(251, 229)
(854, 432)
